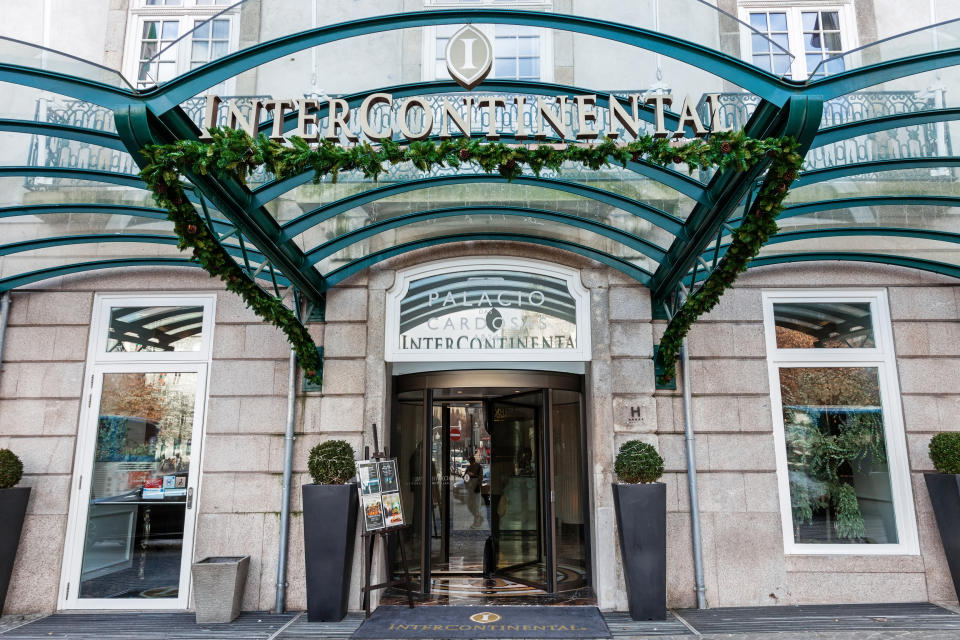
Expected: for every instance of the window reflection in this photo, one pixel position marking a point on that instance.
(824, 325)
(140, 329)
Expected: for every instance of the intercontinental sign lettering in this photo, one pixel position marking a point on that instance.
(380, 117)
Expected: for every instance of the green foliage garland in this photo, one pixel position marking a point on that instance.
(234, 154)
(11, 469)
(945, 452)
(331, 462)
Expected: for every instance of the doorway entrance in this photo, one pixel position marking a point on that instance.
(503, 509)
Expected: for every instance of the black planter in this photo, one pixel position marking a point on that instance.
(13, 506)
(944, 490)
(329, 534)
(642, 523)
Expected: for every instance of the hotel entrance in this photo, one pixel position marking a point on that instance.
(503, 511)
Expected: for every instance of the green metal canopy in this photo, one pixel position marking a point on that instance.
(880, 182)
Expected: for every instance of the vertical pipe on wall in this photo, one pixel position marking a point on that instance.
(4, 315)
(287, 472)
(692, 477)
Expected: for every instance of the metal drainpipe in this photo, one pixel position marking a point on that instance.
(692, 477)
(287, 472)
(4, 315)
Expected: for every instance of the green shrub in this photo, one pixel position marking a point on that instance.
(331, 462)
(11, 469)
(638, 462)
(945, 452)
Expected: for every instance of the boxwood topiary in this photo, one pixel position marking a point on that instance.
(945, 452)
(11, 469)
(638, 462)
(331, 462)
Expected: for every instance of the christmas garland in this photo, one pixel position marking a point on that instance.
(232, 154)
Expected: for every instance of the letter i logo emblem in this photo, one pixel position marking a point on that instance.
(469, 57)
(485, 617)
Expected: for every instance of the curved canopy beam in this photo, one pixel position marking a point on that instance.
(342, 273)
(640, 245)
(95, 175)
(875, 166)
(845, 82)
(88, 207)
(98, 93)
(674, 179)
(745, 75)
(880, 258)
(314, 217)
(848, 130)
(68, 132)
(22, 279)
(810, 234)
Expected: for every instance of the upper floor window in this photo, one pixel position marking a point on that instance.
(811, 33)
(170, 37)
(519, 52)
(840, 448)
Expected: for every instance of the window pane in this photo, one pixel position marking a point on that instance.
(221, 29)
(760, 44)
(781, 64)
(136, 329)
(529, 67)
(148, 50)
(151, 30)
(778, 22)
(831, 20)
(810, 20)
(218, 49)
(782, 40)
(812, 41)
(199, 51)
(170, 30)
(505, 68)
(837, 456)
(762, 61)
(528, 46)
(758, 21)
(201, 31)
(505, 47)
(832, 41)
(823, 325)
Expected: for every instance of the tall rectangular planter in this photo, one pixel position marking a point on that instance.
(944, 490)
(13, 508)
(218, 587)
(642, 524)
(329, 534)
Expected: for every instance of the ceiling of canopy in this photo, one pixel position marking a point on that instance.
(881, 180)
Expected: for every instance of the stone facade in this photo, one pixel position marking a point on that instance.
(42, 387)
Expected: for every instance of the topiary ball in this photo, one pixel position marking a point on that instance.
(945, 452)
(331, 462)
(11, 469)
(638, 462)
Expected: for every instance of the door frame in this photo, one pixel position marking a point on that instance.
(99, 362)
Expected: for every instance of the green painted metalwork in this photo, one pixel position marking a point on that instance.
(876, 166)
(22, 279)
(311, 218)
(94, 238)
(849, 81)
(71, 86)
(112, 177)
(799, 119)
(342, 273)
(645, 247)
(80, 134)
(831, 135)
(740, 73)
(88, 207)
(900, 232)
(881, 258)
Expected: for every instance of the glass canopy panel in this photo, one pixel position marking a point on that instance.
(920, 141)
(938, 37)
(497, 194)
(26, 103)
(22, 149)
(945, 252)
(56, 225)
(33, 56)
(925, 217)
(20, 263)
(937, 181)
(465, 225)
(17, 190)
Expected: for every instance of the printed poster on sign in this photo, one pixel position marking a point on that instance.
(388, 476)
(372, 513)
(392, 511)
(368, 476)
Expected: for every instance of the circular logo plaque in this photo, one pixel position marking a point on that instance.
(485, 617)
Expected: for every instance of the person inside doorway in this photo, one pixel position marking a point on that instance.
(473, 479)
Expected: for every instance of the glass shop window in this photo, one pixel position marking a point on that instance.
(841, 452)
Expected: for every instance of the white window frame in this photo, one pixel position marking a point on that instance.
(882, 357)
(187, 13)
(793, 9)
(428, 60)
(100, 362)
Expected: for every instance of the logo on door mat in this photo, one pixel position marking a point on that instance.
(485, 617)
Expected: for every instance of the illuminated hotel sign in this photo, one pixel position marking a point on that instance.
(469, 58)
(487, 310)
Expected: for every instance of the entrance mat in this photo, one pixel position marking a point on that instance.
(484, 622)
(832, 617)
(251, 625)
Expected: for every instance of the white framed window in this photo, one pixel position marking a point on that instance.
(169, 37)
(842, 467)
(519, 52)
(811, 30)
